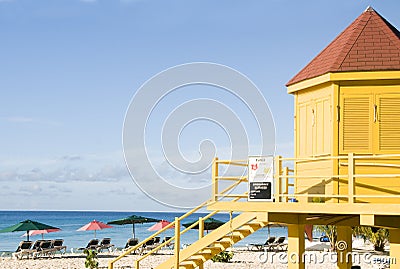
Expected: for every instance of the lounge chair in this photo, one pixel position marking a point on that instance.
(105, 244)
(278, 245)
(23, 249)
(131, 242)
(170, 244)
(45, 249)
(58, 246)
(149, 245)
(93, 244)
(260, 247)
(36, 244)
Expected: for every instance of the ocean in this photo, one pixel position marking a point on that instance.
(70, 221)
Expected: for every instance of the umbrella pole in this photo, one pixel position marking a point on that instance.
(95, 234)
(27, 235)
(133, 230)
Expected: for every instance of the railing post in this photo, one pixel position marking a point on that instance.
(110, 265)
(201, 227)
(177, 244)
(136, 264)
(350, 181)
(201, 234)
(278, 169)
(286, 174)
(215, 180)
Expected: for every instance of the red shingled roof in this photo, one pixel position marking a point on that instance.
(370, 43)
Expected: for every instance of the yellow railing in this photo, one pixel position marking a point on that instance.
(285, 177)
(285, 190)
(178, 232)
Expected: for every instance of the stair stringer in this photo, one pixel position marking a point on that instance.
(212, 238)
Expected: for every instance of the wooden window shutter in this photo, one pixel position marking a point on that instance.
(389, 122)
(356, 124)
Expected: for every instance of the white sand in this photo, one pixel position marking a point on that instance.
(241, 259)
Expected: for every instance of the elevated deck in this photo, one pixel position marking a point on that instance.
(337, 199)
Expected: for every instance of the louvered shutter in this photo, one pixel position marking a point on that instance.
(356, 124)
(388, 106)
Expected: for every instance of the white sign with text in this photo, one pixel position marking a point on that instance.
(261, 176)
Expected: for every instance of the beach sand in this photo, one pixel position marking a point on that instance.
(242, 259)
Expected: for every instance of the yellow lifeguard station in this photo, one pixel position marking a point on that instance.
(346, 168)
(347, 103)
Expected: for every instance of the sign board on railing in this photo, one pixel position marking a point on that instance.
(261, 176)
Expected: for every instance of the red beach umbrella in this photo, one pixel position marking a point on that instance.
(308, 228)
(46, 231)
(160, 225)
(94, 226)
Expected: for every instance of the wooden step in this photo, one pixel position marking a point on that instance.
(203, 256)
(238, 234)
(244, 232)
(211, 249)
(222, 244)
(252, 226)
(228, 239)
(194, 261)
(187, 265)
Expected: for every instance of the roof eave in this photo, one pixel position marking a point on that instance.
(344, 76)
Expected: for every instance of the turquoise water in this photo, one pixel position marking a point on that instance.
(70, 221)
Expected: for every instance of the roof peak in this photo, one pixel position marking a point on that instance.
(369, 8)
(369, 43)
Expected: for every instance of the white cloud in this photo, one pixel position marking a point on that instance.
(18, 119)
(66, 168)
(28, 120)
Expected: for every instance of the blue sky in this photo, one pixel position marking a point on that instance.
(70, 68)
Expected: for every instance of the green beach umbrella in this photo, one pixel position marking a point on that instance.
(209, 224)
(132, 220)
(26, 226)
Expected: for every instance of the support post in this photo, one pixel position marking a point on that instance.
(344, 247)
(136, 264)
(201, 227)
(296, 246)
(177, 244)
(214, 173)
(394, 239)
(278, 170)
(350, 182)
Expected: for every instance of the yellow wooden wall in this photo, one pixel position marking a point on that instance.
(313, 138)
(314, 121)
(370, 119)
(370, 124)
(337, 118)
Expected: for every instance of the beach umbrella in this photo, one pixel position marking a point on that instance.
(209, 224)
(26, 226)
(308, 229)
(94, 226)
(42, 232)
(132, 220)
(160, 225)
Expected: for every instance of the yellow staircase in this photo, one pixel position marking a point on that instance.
(215, 242)
(211, 244)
